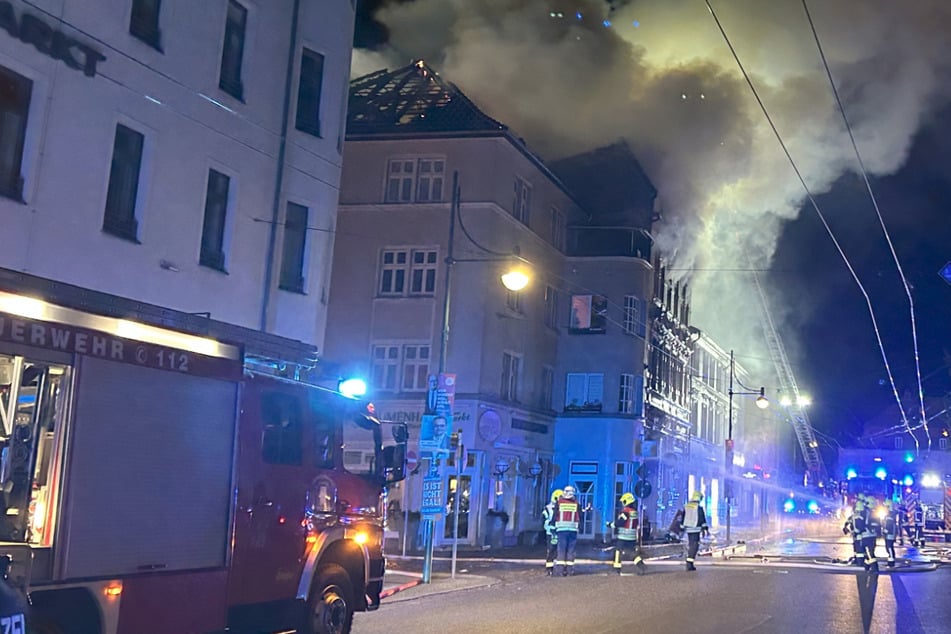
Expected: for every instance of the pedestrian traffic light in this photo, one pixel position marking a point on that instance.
(454, 440)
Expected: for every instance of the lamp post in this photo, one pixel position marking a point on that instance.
(514, 280)
(761, 402)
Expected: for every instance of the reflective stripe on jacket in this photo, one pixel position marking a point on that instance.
(626, 524)
(695, 520)
(547, 513)
(567, 515)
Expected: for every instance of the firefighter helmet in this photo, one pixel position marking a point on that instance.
(859, 506)
(569, 491)
(557, 493)
(696, 496)
(627, 498)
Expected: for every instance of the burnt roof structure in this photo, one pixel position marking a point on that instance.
(413, 101)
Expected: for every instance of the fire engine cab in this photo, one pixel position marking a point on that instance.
(155, 480)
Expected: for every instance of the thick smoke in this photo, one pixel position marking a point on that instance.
(661, 76)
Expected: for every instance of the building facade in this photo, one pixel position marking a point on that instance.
(180, 154)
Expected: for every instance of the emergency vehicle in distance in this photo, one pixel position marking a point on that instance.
(162, 482)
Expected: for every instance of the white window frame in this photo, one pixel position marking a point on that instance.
(592, 390)
(522, 201)
(511, 367)
(631, 306)
(403, 366)
(420, 179)
(406, 271)
(626, 394)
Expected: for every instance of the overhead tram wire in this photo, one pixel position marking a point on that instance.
(878, 212)
(825, 224)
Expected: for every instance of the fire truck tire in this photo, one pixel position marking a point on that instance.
(330, 610)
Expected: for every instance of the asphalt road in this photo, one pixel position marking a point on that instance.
(743, 595)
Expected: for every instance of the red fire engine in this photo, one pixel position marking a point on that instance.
(161, 482)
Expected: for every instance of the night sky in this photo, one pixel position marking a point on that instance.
(889, 88)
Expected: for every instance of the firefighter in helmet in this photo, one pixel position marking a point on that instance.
(862, 528)
(890, 530)
(566, 521)
(695, 524)
(551, 537)
(918, 524)
(626, 540)
(849, 529)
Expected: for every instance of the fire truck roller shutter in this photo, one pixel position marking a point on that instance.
(150, 479)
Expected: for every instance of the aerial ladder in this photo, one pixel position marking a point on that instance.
(787, 381)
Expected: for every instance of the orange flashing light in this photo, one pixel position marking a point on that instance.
(113, 590)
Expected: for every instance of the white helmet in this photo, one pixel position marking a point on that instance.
(569, 491)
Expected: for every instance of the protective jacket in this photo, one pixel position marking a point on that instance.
(861, 525)
(918, 516)
(695, 520)
(566, 515)
(626, 524)
(891, 524)
(547, 513)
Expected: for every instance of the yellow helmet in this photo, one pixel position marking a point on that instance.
(859, 506)
(627, 498)
(696, 496)
(557, 493)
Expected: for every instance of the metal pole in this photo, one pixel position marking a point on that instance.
(728, 457)
(429, 525)
(455, 511)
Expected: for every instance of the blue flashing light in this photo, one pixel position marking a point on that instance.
(789, 506)
(607, 24)
(908, 481)
(877, 459)
(352, 388)
(813, 506)
(851, 473)
(578, 15)
(636, 23)
(881, 473)
(909, 458)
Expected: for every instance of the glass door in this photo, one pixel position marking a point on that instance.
(469, 492)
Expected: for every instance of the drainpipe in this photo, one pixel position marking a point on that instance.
(279, 177)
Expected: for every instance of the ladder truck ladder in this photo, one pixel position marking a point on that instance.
(797, 415)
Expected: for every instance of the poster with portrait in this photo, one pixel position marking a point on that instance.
(434, 435)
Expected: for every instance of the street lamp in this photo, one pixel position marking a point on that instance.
(761, 402)
(514, 279)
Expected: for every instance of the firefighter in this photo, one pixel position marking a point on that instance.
(694, 523)
(551, 538)
(890, 529)
(626, 542)
(849, 529)
(918, 523)
(863, 526)
(901, 518)
(13, 605)
(566, 520)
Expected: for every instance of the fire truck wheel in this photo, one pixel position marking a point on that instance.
(331, 602)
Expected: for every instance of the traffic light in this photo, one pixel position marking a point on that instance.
(454, 440)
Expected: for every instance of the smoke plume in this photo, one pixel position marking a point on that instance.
(570, 75)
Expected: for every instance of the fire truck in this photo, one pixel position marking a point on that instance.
(155, 481)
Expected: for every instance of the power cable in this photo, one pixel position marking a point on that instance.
(815, 206)
(878, 212)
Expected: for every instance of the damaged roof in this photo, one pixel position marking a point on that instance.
(413, 100)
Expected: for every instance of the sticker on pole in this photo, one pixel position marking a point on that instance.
(642, 489)
(432, 496)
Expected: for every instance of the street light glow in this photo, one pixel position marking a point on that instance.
(761, 401)
(515, 280)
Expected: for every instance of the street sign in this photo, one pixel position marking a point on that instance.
(432, 496)
(412, 460)
(945, 272)
(640, 469)
(642, 489)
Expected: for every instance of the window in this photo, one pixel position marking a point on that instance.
(522, 201)
(15, 93)
(232, 52)
(513, 301)
(415, 179)
(213, 228)
(551, 307)
(584, 392)
(626, 395)
(283, 434)
(942, 443)
(419, 265)
(124, 184)
(295, 245)
(423, 273)
(324, 429)
(145, 22)
(557, 229)
(510, 368)
(630, 314)
(545, 389)
(589, 314)
(401, 366)
(899, 442)
(415, 368)
(429, 180)
(308, 92)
